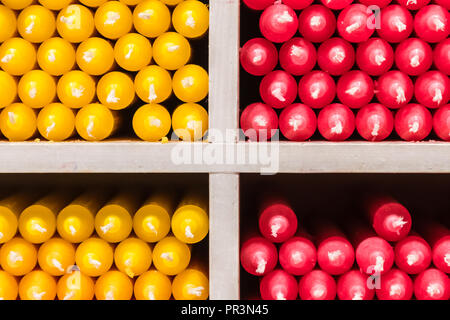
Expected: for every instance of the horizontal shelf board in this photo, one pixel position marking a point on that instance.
(129, 156)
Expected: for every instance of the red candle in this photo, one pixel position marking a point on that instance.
(374, 255)
(316, 23)
(354, 23)
(258, 56)
(298, 256)
(395, 285)
(278, 89)
(375, 56)
(413, 5)
(413, 122)
(355, 89)
(374, 122)
(438, 236)
(298, 56)
(394, 89)
(278, 285)
(432, 23)
(298, 122)
(336, 56)
(298, 4)
(336, 4)
(441, 122)
(278, 23)
(336, 122)
(432, 89)
(412, 254)
(317, 89)
(317, 285)
(441, 56)
(258, 4)
(432, 284)
(259, 122)
(413, 56)
(258, 256)
(353, 285)
(277, 222)
(396, 23)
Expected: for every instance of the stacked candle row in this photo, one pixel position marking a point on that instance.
(387, 260)
(80, 262)
(348, 76)
(58, 58)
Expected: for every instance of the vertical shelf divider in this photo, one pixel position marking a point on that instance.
(223, 116)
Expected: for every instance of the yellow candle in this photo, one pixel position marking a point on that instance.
(18, 257)
(153, 84)
(95, 122)
(75, 222)
(18, 122)
(75, 286)
(131, 2)
(133, 257)
(56, 122)
(93, 3)
(190, 121)
(9, 92)
(17, 4)
(55, 4)
(37, 285)
(191, 18)
(133, 52)
(37, 89)
(114, 221)
(171, 51)
(10, 209)
(116, 90)
(113, 19)
(36, 23)
(9, 289)
(171, 256)
(190, 221)
(113, 285)
(151, 122)
(37, 223)
(8, 23)
(191, 83)
(153, 285)
(151, 222)
(56, 256)
(75, 23)
(151, 18)
(17, 56)
(76, 89)
(95, 56)
(94, 257)
(56, 56)
(190, 284)
(172, 2)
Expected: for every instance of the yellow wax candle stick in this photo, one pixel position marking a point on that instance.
(115, 90)
(151, 18)
(113, 19)
(171, 256)
(133, 257)
(9, 89)
(75, 286)
(37, 285)
(190, 221)
(75, 23)
(113, 285)
(18, 122)
(191, 18)
(36, 23)
(190, 83)
(75, 222)
(152, 285)
(152, 122)
(172, 2)
(95, 56)
(76, 89)
(56, 122)
(56, 56)
(56, 256)
(95, 122)
(37, 223)
(191, 284)
(8, 23)
(133, 52)
(114, 221)
(94, 257)
(9, 289)
(10, 209)
(93, 3)
(171, 50)
(153, 84)
(190, 121)
(17, 56)
(55, 4)
(37, 89)
(151, 222)
(18, 257)
(17, 4)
